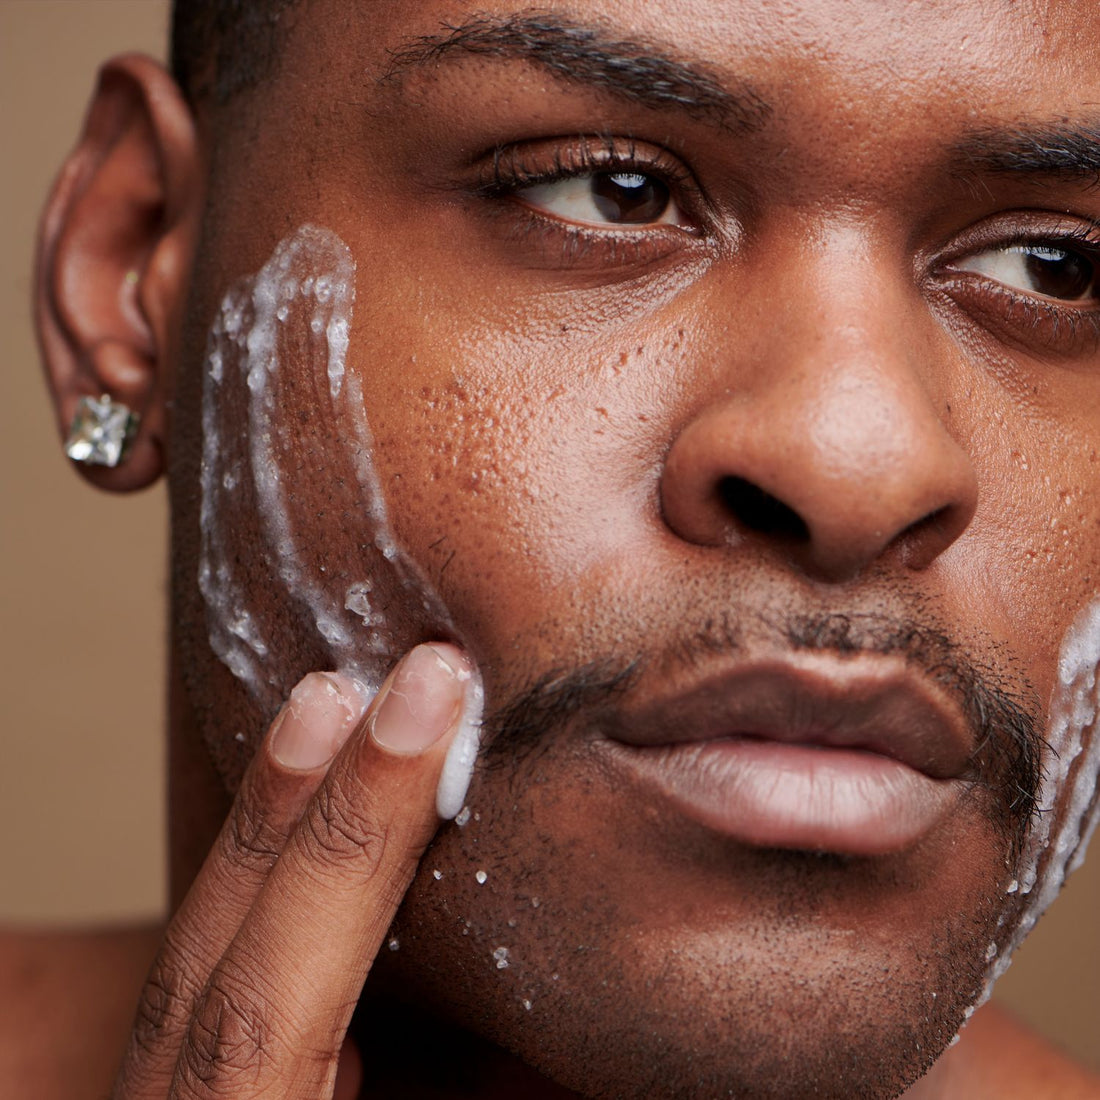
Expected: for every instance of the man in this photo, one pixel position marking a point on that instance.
(714, 390)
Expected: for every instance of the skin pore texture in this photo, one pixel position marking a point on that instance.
(533, 438)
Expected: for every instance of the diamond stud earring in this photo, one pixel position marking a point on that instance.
(101, 431)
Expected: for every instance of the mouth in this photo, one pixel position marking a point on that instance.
(855, 755)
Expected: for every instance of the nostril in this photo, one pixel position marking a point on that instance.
(930, 528)
(761, 512)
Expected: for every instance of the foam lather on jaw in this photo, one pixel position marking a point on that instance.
(301, 299)
(1068, 805)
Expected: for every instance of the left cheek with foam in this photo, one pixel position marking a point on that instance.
(293, 509)
(1068, 807)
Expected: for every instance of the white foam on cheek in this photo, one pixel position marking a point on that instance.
(306, 289)
(1069, 808)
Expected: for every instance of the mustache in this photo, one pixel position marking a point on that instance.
(1007, 761)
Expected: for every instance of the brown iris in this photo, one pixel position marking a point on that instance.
(629, 198)
(1058, 273)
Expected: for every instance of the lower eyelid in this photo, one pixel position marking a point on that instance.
(607, 252)
(1030, 322)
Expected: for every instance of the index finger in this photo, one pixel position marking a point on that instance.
(277, 1006)
(320, 713)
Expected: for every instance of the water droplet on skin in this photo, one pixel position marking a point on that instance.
(527, 1004)
(357, 600)
(535, 903)
(437, 875)
(482, 877)
(463, 816)
(1013, 886)
(394, 945)
(238, 737)
(500, 956)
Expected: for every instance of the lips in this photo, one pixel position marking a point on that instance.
(858, 756)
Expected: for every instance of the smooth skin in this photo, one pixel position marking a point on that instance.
(821, 327)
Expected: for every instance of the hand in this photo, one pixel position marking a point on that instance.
(263, 964)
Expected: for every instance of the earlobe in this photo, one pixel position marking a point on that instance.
(113, 258)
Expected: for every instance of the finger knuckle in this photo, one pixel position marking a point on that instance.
(167, 999)
(250, 841)
(340, 827)
(233, 1041)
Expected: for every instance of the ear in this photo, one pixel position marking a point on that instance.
(114, 255)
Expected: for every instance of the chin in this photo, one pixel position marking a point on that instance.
(782, 1010)
(647, 959)
(760, 1031)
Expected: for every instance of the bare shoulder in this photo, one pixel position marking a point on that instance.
(66, 1004)
(999, 1057)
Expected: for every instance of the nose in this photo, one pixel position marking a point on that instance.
(835, 461)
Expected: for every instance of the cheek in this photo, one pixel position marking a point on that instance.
(1069, 808)
(524, 476)
(299, 567)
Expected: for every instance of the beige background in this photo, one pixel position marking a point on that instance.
(82, 589)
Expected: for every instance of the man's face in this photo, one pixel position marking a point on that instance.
(724, 377)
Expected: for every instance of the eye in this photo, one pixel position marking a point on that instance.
(605, 199)
(1065, 274)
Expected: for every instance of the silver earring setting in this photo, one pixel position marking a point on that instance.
(101, 432)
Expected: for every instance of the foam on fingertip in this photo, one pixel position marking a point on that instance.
(458, 767)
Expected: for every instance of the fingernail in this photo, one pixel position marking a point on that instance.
(421, 701)
(317, 719)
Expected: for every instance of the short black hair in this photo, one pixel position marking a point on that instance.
(221, 47)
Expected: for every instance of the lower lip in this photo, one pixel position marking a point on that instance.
(774, 795)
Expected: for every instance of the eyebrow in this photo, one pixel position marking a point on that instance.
(582, 53)
(1059, 150)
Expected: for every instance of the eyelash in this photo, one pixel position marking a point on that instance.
(1061, 328)
(513, 168)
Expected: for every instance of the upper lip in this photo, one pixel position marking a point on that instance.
(872, 703)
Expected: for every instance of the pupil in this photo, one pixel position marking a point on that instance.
(629, 197)
(1060, 274)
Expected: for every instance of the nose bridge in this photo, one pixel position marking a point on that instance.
(866, 451)
(850, 386)
(835, 445)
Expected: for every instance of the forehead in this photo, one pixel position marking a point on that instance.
(967, 50)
